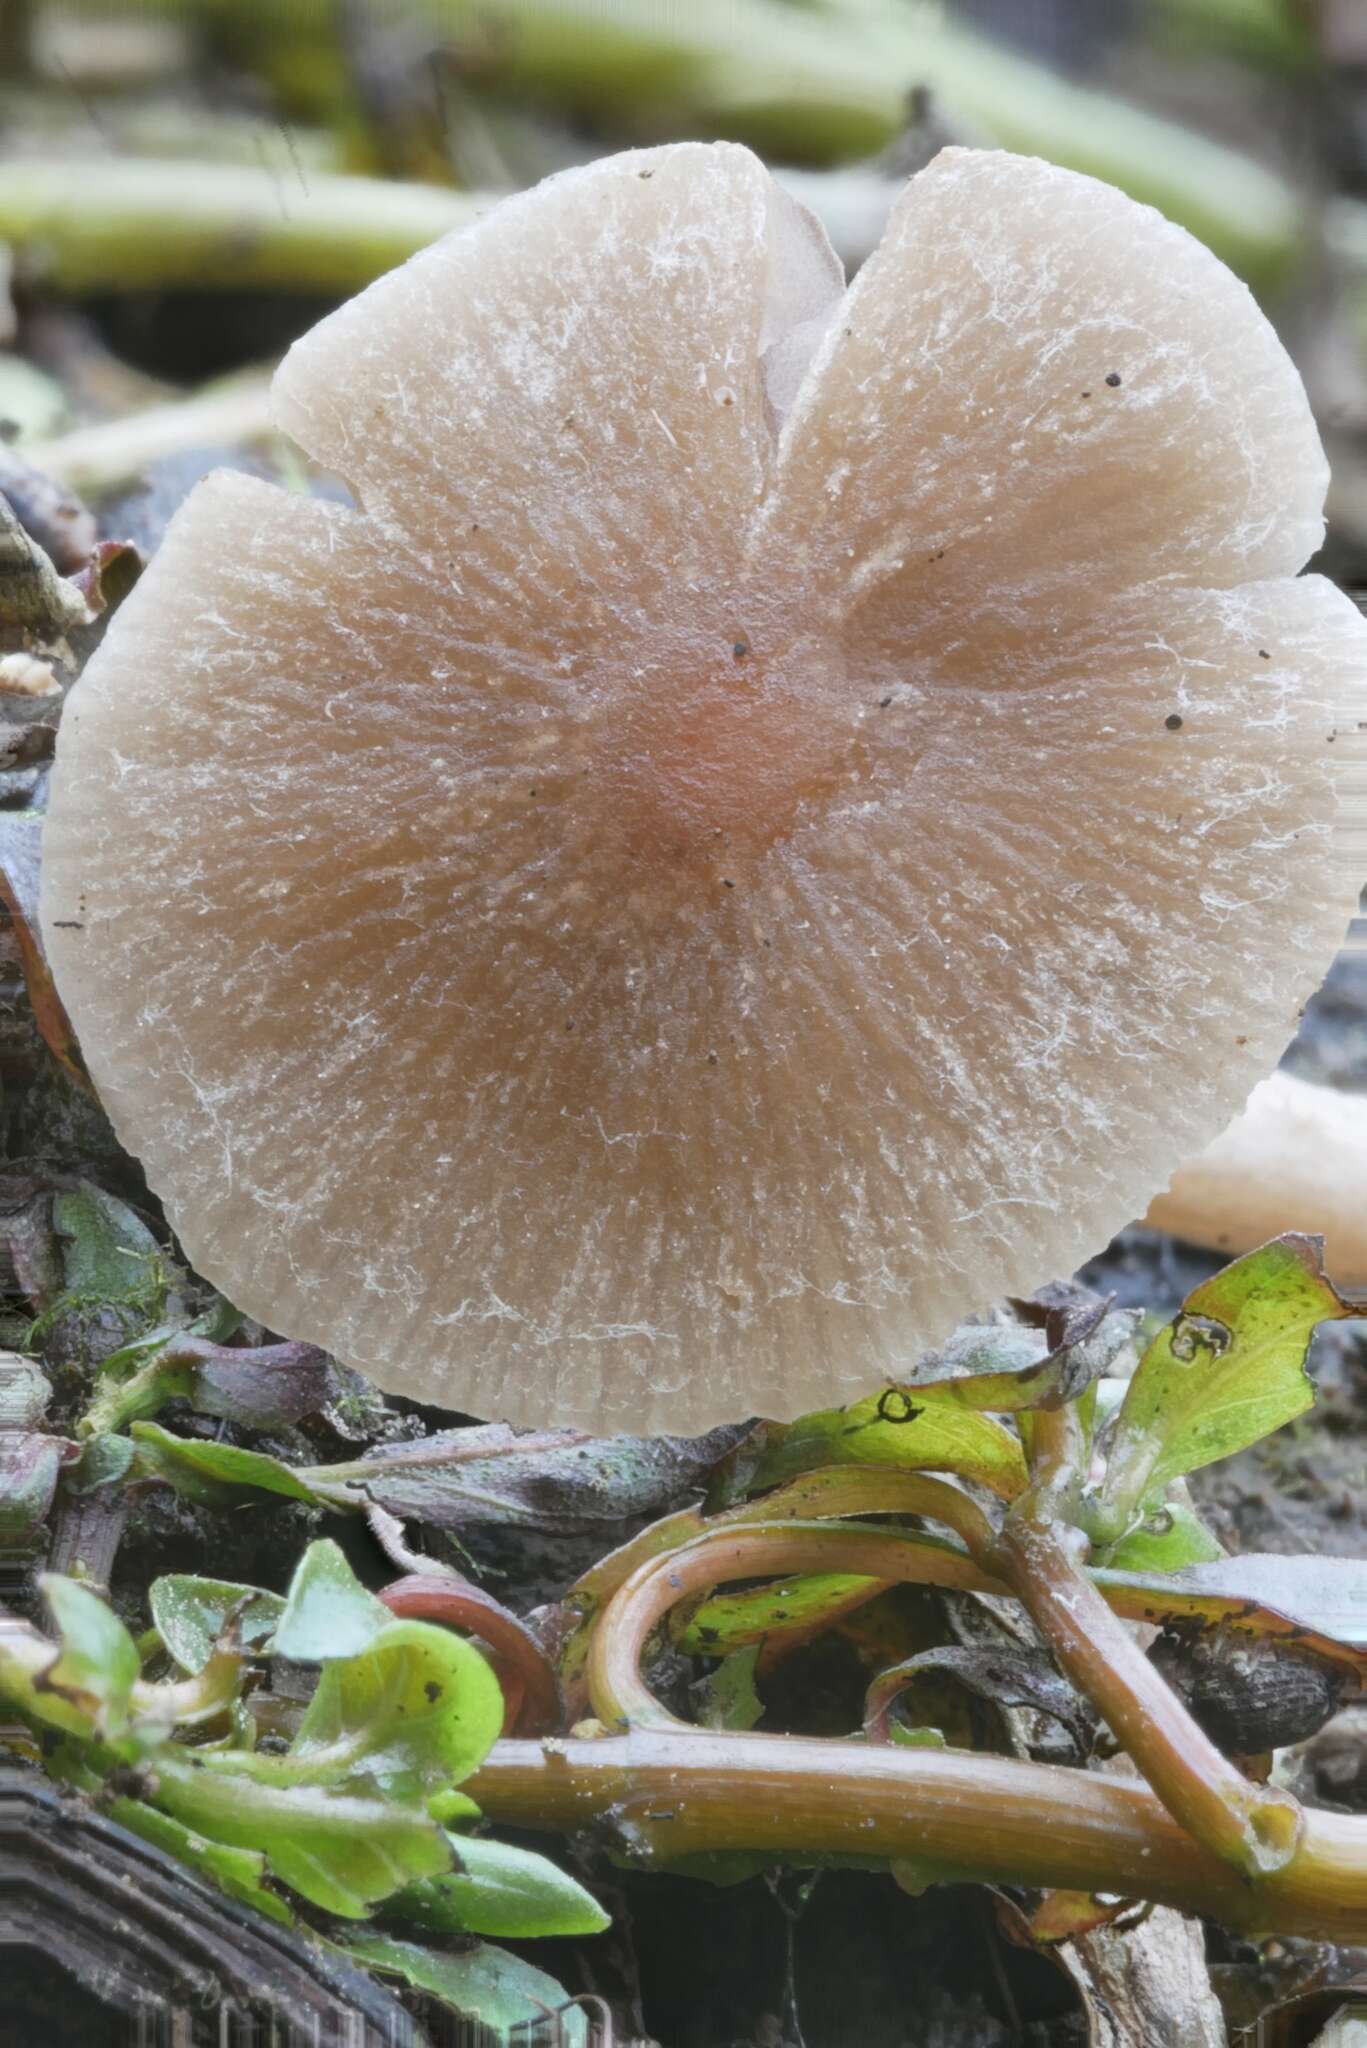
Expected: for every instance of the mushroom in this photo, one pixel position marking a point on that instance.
(1295, 1158)
(781, 818)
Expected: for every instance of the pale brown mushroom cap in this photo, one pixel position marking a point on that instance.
(783, 819)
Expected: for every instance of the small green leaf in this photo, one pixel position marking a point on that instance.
(1227, 1371)
(98, 1664)
(729, 1696)
(191, 1613)
(104, 1460)
(239, 1872)
(418, 1710)
(450, 1805)
(919, 1428)
(915, 1738)
(493, 1888)
(327, 1612)
(731, 1621)
(1169, 1537)
(211, 1472)
(340, 1851)
(260, 1385)
(108, 1249)
(485, 1984)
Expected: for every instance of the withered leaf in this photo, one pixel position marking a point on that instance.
(554, 1480)
(998, 1673)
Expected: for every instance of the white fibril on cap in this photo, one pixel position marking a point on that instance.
(783, 817)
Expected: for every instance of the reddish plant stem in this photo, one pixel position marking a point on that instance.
(620, 1696)
(1040, 1554)
(664, 1793)
(830, 1491)
(531, 1694)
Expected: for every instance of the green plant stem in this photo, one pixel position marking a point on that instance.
(831, 1490)
(140, 223)
(666, 1793)
(1253, 1828)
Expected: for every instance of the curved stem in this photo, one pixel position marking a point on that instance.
(835, 1490)
(667, 1793)
(830, 1491)
(620, 1696)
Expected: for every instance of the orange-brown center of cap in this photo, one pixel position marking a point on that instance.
(711, 766)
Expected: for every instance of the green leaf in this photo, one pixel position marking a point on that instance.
(191, 1614)
(493, 1888)
(729, 1696)
(327, 1612)
(450, 1805)
(1227, 1371)
(557, 1480)
(919, 1428)
(214, 1473)
(339, 1850)
(418, 1710)
(260, 1385)
(732, 1621)
(98, 1663)
(915, 1738)
(1171, 1536)
(239, 1872)
(109, 1251)
(483, 1984)
(104, 1460)
(26, 1658)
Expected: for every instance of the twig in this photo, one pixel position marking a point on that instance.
(141, 223)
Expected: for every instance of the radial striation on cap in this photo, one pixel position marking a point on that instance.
(782, 817)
